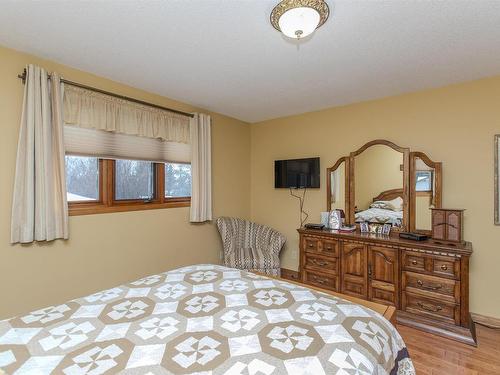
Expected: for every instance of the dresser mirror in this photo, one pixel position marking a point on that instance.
(337, 186)
(425, 190)
(379, 185)
(383, 183)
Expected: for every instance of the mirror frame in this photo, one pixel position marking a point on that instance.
(409, 191)
(438, 186)
(344, 159)
(406, 173)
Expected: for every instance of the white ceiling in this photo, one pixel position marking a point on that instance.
(224, 55)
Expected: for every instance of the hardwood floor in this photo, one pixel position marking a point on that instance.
(433, 355)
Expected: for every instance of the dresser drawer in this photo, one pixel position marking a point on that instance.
(414, 262)
(330, 247)
(321, 262)
(446, 267)
(322, 281)
(436, 287)
(431, 308)
(436, 265)
(324, 246)
(311, 244)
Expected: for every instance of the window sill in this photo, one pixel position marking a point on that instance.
(77, 209)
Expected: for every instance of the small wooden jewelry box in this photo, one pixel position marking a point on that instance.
(448, 224)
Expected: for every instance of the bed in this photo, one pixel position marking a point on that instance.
(383, 210)
(204, 319)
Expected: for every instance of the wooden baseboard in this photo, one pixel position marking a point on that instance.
(487, 321)
(290, 275)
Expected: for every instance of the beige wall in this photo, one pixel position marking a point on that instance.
(454, 125)
(110, 249)
(376, 170)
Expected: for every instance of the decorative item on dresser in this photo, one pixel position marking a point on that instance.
(447, 224)
(428, 280)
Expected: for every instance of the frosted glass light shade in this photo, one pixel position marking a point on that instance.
(299, 22)
(297, 19)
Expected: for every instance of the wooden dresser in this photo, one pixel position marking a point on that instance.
(428, 281)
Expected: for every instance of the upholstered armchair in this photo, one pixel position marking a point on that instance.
(250, 246)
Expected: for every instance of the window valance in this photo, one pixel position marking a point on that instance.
(89, 109)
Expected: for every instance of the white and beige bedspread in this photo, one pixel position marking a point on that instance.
(204, 319)
(380, 216)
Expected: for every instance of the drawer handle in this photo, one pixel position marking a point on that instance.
(429, 308)
(311, 245)
(428, 287)
(319, 263)
(318, 280)
(414, 262)
(444, 267)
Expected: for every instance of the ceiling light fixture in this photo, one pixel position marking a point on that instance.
(299, 18)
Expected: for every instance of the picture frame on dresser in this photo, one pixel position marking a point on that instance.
(386, 229)
(497, 177)
(364, 227)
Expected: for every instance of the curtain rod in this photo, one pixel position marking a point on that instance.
(76, 84)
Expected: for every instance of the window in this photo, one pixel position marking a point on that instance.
(134, 179)
(177, 180)
(82, 179)
(424, 181)
(96, 185)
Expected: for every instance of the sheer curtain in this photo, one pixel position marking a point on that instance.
(201, 168)
(39, 207)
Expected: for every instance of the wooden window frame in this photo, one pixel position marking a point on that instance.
(107, 202)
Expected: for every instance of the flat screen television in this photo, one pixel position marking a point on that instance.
(296, 173)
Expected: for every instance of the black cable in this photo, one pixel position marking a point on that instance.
(301, 205)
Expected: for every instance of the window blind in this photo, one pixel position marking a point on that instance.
(110, 145)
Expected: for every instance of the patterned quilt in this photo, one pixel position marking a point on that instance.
(380, 216)
(204, 319)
